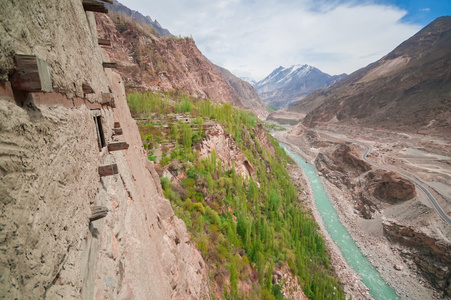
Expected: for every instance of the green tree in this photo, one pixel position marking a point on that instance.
(187, 135)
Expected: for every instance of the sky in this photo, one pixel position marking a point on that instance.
(252, 38)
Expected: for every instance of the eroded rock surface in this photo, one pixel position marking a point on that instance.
(49, 159)
(432, 255)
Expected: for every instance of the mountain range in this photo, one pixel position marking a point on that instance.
(286, 86)
(408, 89)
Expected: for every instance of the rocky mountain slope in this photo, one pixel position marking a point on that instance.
(149, 61)
(286, 86)
(137, 17)
(407, 90)
(52, 245)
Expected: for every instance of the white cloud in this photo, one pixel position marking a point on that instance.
(251, 37)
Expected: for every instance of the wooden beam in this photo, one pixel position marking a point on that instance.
(98, 212)
(117, 131)
(108, 64)
(108, 1)
(108, 99)
(116, 146)
(108, 170)
(32, 74)
(87, 89)
(94, 5)
(104, 42)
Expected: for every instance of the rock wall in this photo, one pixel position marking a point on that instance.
(49, 159)
(227, 151)
(61, 34)
(431, 255)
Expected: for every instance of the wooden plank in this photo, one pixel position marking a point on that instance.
(108, 99)
(98, 212)
(94, 5)
(32, 74)
(104, 42)
(108, 170)
(87, 89)
(116, 146)
(117, 131)
(108, 64)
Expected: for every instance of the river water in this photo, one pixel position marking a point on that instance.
(370, 276)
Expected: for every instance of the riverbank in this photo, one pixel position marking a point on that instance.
(368, 235)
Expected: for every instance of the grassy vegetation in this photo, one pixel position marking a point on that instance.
(271, 108)
(244, 228)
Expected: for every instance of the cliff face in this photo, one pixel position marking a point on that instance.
(432, 255)
(148, 61)
(49, 159)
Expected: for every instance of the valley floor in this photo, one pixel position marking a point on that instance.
(427, 157)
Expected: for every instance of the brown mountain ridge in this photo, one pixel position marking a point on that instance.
(148, 61)
(409, 89)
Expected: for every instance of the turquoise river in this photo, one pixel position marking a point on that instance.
(370, 276)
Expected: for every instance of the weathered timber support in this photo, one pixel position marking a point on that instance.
(32, 74)
(108, 170)
(87, 89)
(98, 212)
(108, 64)
(104, 42)
(94, 5)
(108, 99)
(117, 131)
(116, 146)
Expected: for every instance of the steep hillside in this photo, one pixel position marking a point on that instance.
(228, 180)
(286, 86)
(82, 211)
(149, 61)
(137, 17)
(246, 93)
(406, 90)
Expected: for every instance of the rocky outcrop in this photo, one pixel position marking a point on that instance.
(431, 255)
(262, 137)
(49, 159)
(341, 165)
(226, 151)
(393, 188)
